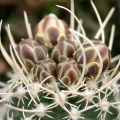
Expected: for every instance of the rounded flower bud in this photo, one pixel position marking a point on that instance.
(50, 30)
(31, 52)
(92, 59)
(63, 49)
(68, 71)
(44, 69)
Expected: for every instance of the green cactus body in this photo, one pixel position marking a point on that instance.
(60, 76)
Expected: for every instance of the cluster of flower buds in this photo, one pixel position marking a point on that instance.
(53, 53)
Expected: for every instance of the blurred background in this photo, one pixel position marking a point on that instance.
(11, 12)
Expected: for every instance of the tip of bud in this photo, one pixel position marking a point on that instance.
(52, 15)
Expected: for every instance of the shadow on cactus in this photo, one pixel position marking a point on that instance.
(59, 73)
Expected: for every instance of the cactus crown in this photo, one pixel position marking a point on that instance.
(61, 75)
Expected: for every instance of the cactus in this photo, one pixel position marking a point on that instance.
(61, 76)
